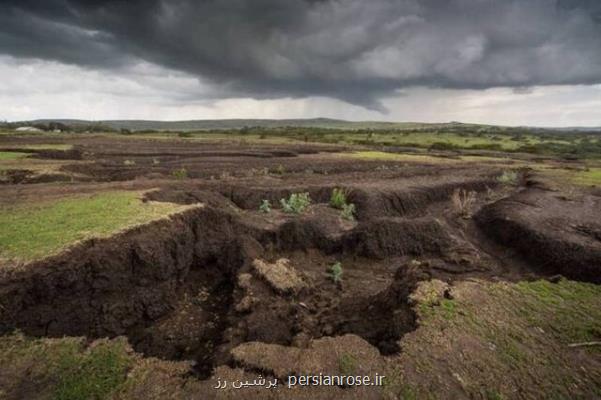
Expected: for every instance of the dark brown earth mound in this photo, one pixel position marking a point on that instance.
(558, 235)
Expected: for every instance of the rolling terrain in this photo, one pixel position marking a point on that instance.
(155, 265)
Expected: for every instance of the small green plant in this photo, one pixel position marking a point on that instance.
(129, 162)
(336, 272)
(181, 173)
(508, 178)
(338, 198)
(265, 207)
(297, 203)
(348, 212)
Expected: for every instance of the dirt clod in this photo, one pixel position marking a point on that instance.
(280, 275)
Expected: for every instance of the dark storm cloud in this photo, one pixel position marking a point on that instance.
(355, 50)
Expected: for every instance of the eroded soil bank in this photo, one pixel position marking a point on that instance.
(186, 289)
(174, 289)
(232, 292)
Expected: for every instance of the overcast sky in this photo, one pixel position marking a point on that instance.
(522, 62)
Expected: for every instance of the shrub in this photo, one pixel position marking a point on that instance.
(338, 198)
(265, 207)
(348, 212)
(181, 173)
(442, 146)
(296, 203)
(463, 201)
(336, 272)
(508, 178)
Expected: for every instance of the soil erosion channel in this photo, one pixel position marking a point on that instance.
(197, 285)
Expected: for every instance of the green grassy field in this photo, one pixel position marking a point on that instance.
(37, 230)
(11, 155)
(519, 331)
(401, 157)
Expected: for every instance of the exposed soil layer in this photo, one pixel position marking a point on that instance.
(173, 287)
(557, 234)
(188, 287)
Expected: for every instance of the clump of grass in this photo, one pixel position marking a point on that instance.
(338, 198)
(156, 161)
(297, 203)
(463, 201)
(347, 364)
(336, 272)
(129, 162)
(348, 212)
(265, 207)
(280, 170)
(180, 173)
(508, 178)
(92, 375)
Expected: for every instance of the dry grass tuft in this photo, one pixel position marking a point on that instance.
(463, 201)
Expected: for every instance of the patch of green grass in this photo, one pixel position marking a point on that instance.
(12, 155)
(62, 147)
(347, 364)
(518, 331)
(569, 310)
(181, 173)
(508, 178)
(492, 394)
(591, 176)
(434, 308)
(40, 229)
(448, 308)
(64, 369)
(395, 387)
(94, 374)
(384, 156)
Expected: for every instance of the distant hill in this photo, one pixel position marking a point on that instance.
(195, 125)
(325, 123)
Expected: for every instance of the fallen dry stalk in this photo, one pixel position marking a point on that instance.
(583, 344)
